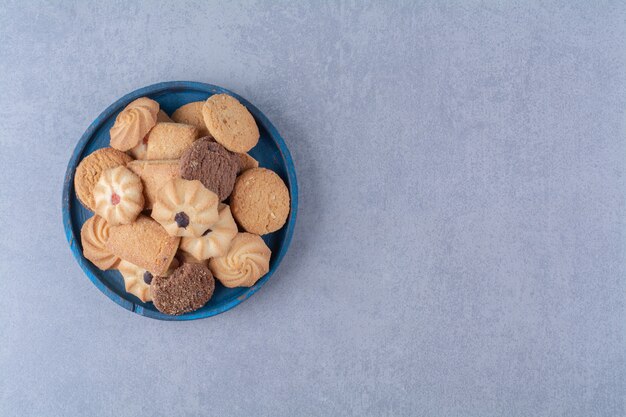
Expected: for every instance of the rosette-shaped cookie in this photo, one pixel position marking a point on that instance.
(93, 237)
(134, 123)
(185, 208)
(137, 279)
(216, 240)
(247, 260)
(118, 196)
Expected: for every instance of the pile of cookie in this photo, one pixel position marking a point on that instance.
(179, 202)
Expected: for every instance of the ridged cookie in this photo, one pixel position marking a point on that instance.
(230, 123)
(93, 237)
(144, 243)
(89, 171)
(247, 260)
(137, 279)
(118, 196)
(133, 123)
(191, 114)
(185, 208)
(215, 241)
(260, 201)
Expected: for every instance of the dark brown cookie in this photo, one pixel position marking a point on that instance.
(212, 164)
(187, 289)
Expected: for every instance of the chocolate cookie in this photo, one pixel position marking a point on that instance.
(212, 164)
(189, 288)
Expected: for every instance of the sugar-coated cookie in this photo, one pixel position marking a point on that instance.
(93, 237)
(216, 240)
(191, 114)
(118, 196)
(212, 164)
(247, 260)
(140, 150)
(154, 174)
(185, 208)
(169, 140)
(189, 288)
(260, 201)
(230, 123)
(162, 117)
(89, 170)
(144, 243)
(133, 123)
(246, 162)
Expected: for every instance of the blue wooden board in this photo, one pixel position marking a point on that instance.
(271, 152)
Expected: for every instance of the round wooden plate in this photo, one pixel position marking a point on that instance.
(271, 152)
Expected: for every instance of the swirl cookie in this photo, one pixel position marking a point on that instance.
(93, 237)
(89, 171)
(185, 208)
(154, 174)
(260, 201)
(133, 123)
(191, 114)
(118, 196)
(230, 123)
(216, 240)
(144, 243)
(247, 260)
(210, 163)
(189, 288)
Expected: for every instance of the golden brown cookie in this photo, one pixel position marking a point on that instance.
(118, 196)
(246, 162)
(133, 123)
(169, 140)
(247, 260)
(89, 170)
(154, 174)
(191, 114)
(260, 201)
(162, 117)
(216, 240)
(185, 208)
(144, 243)
(93, 237)
(184, 257)
(230, 123)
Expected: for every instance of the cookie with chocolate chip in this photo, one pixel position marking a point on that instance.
(189, 288)
(185, 208)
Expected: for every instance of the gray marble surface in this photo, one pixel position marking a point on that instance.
(460, 247)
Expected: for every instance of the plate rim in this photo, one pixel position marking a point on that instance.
(68, 188)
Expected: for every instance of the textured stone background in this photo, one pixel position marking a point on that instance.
(460, 245)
